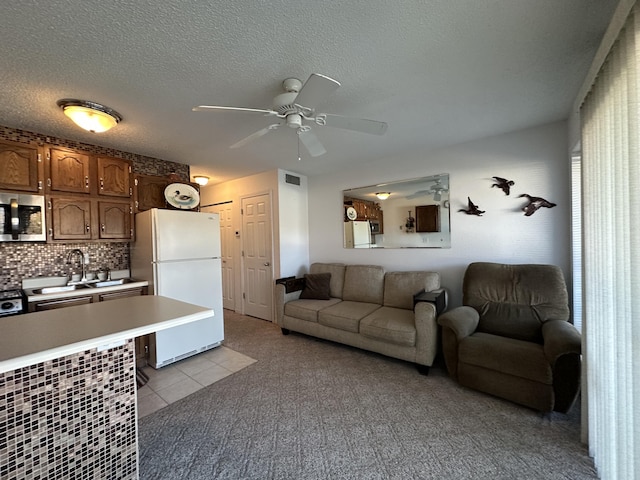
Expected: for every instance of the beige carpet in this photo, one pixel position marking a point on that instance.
(311, 409)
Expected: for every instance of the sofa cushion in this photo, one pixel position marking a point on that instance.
(363, 283)
(506, 355)
(307, 309)
(394, 325)
(400, 287)
(337, 276)
(346, 315)
(316, 286)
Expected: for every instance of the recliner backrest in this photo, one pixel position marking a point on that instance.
(515, 300)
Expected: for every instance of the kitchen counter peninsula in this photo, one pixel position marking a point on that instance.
(68, 386)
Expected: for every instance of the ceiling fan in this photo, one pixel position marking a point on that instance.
(436, 189)
(297, 106)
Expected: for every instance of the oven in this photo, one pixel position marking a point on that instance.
(12, 302)
(22, 218)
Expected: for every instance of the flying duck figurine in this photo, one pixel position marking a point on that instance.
(503, 184)
(534, 204)
(472, 210)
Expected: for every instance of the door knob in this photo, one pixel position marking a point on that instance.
(266, 264)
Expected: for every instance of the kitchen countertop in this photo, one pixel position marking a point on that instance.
(41, 336)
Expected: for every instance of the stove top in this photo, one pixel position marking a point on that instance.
(10, 294)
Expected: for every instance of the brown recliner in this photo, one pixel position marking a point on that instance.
(512, 337)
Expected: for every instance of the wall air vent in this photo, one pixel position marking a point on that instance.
(292, 179)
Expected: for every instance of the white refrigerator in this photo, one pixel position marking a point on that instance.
(178, 253)
(357, 234)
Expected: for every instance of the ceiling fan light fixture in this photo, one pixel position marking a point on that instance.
(90, 116)
(201, 180)
(383, 195)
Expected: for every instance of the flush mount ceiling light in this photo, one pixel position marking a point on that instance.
(383, 195)
(201, 180)
(91, 116)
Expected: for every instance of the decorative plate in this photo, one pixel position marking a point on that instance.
(180, 195)
(351, 213)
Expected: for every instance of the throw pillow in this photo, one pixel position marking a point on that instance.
(316, 286)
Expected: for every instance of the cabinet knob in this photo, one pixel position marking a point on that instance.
(101, 184)
(86, 182)
(102, 227)
(88, 227)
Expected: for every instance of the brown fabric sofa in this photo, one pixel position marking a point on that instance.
(367, 308)
(512, 338)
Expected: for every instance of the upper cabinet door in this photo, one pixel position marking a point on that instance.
(114, 177)
(115, 220)
(69, 171)
(149, 192)
(19, 167)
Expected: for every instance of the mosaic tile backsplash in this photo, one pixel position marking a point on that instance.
(70, 418)
(20, 260)
(28, 260)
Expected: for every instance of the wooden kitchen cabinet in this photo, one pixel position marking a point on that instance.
(114, 177)
(69, 171)
(115, 220)
(70, 218)
(84, 219)
(20, 167)
(149, 192)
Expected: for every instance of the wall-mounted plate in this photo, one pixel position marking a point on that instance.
(180, 195)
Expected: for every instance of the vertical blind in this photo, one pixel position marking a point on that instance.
(611, 257)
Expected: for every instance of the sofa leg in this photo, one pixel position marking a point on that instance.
(423, 369)
(285, 331)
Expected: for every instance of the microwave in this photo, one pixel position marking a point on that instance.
(375, 227)
(22, 218)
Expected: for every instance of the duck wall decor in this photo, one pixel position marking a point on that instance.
(472, 209)
(535, 203)
(504, 184)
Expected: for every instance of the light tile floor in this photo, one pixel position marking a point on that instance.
(187, 376)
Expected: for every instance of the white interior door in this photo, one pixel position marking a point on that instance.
(227, 235)
(257, 257)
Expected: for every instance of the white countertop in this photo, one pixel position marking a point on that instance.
(41, 336)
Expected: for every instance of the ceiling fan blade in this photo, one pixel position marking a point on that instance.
(312, 143)
(316, 90)
(202, 108)
(356, 124)
(254, 135)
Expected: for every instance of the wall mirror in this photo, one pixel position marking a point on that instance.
(404, 214)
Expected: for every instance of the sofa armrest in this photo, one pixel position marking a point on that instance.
(282, 297)
(562, 347)
(426, 333)
(456, 325)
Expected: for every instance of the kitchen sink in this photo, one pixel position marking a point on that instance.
(110, 283)
(63, 288)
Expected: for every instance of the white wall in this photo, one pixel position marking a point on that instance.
(288, 215)
(536, 159)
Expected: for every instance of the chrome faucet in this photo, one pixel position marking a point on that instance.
(83, 261)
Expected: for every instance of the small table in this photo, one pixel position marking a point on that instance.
(438, 298)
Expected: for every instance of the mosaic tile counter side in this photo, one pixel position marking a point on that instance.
(73, 417)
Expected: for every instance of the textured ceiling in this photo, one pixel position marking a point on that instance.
(439, 72)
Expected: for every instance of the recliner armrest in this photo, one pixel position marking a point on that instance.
(560, 338)
(463, 321)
